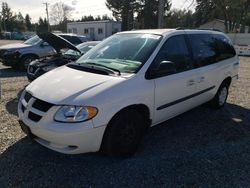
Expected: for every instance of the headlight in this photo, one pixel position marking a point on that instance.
(75, 114)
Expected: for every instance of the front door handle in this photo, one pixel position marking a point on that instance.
(190, 82)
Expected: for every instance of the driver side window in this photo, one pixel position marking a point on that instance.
(175, 50)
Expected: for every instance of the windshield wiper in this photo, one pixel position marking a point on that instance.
(106, 67)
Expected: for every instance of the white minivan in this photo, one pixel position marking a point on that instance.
(133, 80)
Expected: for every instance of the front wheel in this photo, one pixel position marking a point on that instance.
(26, 61)
(124, 134)
(221, 97)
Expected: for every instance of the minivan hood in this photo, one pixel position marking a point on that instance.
(57, 42)
(67, 86)
(14, 46)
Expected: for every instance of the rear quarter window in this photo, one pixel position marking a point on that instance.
(226, 49)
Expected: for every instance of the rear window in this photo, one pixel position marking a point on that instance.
(72, 39)
(208, 49)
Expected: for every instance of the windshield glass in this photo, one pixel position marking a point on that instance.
(33, 40)
(123, 52)
(82, 47)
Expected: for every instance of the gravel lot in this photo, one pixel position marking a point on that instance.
(201, 148)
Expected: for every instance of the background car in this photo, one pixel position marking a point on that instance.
(40, 66)
(19, 55)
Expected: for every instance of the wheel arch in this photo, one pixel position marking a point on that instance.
(227, 81)
(141, 108)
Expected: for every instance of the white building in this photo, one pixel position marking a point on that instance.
(95, 30)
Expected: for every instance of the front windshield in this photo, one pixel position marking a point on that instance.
(33, 40)
(123, 52)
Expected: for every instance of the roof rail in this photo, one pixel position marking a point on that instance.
(211, 29)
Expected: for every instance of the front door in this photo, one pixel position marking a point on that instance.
(173, 93)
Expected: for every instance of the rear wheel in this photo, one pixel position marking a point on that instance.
(221, 96)
(124, 133)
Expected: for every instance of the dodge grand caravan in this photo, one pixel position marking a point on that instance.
(133, 80)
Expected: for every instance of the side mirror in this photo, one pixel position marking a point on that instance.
(165, 68)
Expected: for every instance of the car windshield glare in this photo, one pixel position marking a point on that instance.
(124, 52)
(33, 41)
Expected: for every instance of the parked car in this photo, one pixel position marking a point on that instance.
(109, 97)
(40, 66)
(19, 55)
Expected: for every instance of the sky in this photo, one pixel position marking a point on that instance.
(36, 8)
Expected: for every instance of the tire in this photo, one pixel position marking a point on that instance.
(124, 134)
(25, 61)
(221, 96)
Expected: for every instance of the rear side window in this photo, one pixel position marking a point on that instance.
(208, 49)
(175, 50)
(204, 49)
(226, 49)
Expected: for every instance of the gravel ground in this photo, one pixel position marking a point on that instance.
(201, 148)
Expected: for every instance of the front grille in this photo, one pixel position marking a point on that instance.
(34, 117)
(27, 97)
(42, 105)
(37, 104)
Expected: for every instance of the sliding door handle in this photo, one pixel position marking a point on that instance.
(190, 83)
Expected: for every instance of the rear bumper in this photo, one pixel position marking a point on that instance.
(235, 78)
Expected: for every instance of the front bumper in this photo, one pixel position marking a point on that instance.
(10, 60)
(67, 138)
(76, 142)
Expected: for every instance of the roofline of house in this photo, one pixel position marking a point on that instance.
(100, 21)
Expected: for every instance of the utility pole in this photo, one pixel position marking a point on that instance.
(161, 7)
(47, 12)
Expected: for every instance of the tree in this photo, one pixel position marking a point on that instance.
(234, 12)
(205, 11)
(60, 13)
(148, 13)
(87, 18)
(19, 22)
(7, 17)
(42, 25)
(28, 22)
(123, 11)
(180, 18)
